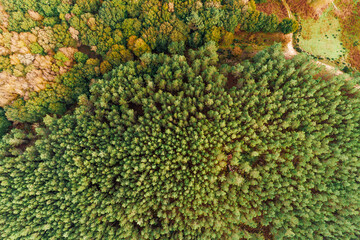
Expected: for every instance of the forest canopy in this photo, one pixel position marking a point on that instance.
(40, 41)
(183, 147)
(147, 119)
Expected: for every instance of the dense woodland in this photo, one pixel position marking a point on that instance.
(118, 31)
(147, 134)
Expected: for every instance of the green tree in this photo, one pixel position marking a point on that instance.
(113, 12)
(130, 27)
(118, 54)
(4, 123)
(19, 22)
(288, 25)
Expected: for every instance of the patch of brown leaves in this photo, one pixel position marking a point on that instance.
(302, 8)
(273, 6)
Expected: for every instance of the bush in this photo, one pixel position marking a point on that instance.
(177, 148)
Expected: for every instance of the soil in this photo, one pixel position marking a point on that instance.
(273, 6)
(87, 50)
(302, 8)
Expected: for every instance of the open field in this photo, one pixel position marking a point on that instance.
(322, 37)
(349, 17)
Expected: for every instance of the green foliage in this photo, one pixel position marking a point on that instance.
(60, 58)
(38, 105)
(177, 48)
(174, 147)
(130, 27)
(138, 46)
(4, 123)
(36, 48)
(256, 21)
(96, 34)
(118, 54)
(288, 25)
(88, 6)
(113, 12)
(19, 22)
(260, 1)
(80, 57)
(10, 147)
(51, 21)
(62, 36)
(4, 63)
(55, 98)
(121, 31)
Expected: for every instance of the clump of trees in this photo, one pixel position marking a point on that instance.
(120, 31)
(288, 25)
(4, 123)
(178, 147)
(56, 98)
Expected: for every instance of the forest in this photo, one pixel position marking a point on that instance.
(124, 119)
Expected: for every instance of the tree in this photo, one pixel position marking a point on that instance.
(19, 22)
(118, 54)
(113, 13)
(260, 1)
(288, 25)
(105, 67)
(130, 27)
(227, 38)
(177, 48)
(88, 6)
(4, 123)
(138, 46)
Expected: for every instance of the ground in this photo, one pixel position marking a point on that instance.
(348, 14)
(273, 6)
(322, 37)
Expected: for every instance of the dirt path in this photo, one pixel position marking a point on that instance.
(290, 52)
(288, 9)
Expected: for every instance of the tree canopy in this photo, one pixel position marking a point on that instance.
(181, 147)
(116, 31)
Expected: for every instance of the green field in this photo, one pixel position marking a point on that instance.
(322, 37)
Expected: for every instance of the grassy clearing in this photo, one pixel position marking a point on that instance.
(349, 16)
(322, 37)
